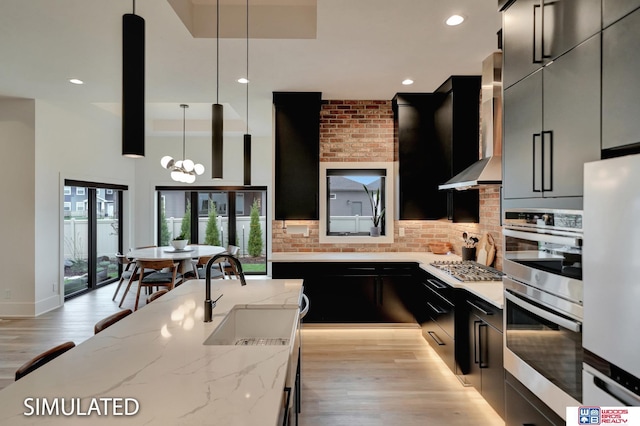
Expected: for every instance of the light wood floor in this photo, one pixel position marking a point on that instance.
(350, 376)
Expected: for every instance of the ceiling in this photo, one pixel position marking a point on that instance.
(346, 49)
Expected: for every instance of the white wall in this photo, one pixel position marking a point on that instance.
(17, 188)
(66, 141)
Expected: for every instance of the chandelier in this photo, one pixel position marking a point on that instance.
(184, 170)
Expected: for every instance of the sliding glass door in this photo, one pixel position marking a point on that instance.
(92, 235)
(219, 216)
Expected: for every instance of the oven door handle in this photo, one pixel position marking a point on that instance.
(543, 313)
(572, 241)
(611, 388)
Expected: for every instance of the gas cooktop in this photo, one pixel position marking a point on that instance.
(468, 270)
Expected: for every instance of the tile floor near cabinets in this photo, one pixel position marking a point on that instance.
(350, 376)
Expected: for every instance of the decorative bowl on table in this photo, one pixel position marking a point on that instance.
(179, 244)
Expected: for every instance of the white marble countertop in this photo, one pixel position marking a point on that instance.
(157, 357)
(491, 291)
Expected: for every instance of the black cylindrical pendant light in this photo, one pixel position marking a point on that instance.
(247, 159)
(216, 141)
(217, 112)
(133, 85)
(247, 136)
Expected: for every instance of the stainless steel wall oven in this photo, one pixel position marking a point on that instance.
(543, 303)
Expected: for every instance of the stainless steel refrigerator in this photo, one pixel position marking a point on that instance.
(611, 277)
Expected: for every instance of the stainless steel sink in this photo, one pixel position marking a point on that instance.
(257, 325)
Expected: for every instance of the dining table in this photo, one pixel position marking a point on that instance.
(182, 256)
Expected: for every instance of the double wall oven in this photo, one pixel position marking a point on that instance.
(543, 303)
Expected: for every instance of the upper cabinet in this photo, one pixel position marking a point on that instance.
(457, 124)
(438, 137)
(536, 32)
(620, 88)
(297, 155)
(612, 10)
(420, 158)
(552, 126)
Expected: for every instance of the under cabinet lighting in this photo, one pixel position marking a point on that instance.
(243, 80)
(454, 20)
(407, 82)
(75, 81)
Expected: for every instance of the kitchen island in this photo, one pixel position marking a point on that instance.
(157, 358)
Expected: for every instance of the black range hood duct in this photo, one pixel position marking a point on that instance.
(488, 170)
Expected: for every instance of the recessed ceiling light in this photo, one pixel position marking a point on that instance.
(243, 80)
(407, 82)
(76, 81)
(454, 20)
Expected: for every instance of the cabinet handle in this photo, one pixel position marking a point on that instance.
(380, 290)
(473, 305)
(538, 21)
(476, 342)
(547, 154)
(536, 137)
(437, 284)
(435, 338)
(437, 310)
(482, 347)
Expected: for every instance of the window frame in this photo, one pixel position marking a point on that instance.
(388, 194)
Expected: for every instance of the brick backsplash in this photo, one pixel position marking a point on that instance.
(362, 130)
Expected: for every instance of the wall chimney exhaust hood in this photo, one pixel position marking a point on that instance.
(488, 170)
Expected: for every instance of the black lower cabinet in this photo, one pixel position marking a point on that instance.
(435, 310)
(486, 367)
(522, 407)
(354, 292)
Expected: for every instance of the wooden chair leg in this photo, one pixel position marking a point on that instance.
(117, 289)
(133, 274)
(138, 296)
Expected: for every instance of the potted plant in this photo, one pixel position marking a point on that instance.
(179, 242)
(377, 213)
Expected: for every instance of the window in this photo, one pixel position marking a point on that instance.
(92, 235)
(352, 213)
(109, 191)
(222, 217)
(349, 192)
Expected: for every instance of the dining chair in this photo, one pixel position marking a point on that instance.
(156, 294)
(130, 273)
(128, 263)
(110, 320)
(40, 360)
(165, 275)
(199, 271)
(227, 267)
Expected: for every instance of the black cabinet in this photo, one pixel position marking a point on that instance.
(620, 89)
(486, 368)
(522, 407)
(353, 292)
(420, 158)
(297, 154)
(438, 137)
(612, 10)
(536, 32)
(457, 124)
(552, 126)
(435, 307)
